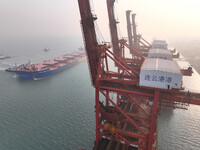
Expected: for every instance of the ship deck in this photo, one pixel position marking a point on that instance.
(53, 63)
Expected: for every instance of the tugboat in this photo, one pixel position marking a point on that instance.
(13, 69)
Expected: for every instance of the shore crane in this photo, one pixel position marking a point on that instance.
(126, 113)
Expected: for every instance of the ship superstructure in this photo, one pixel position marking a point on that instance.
(130, 95)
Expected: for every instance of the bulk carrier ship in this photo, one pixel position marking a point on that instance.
(49, 67)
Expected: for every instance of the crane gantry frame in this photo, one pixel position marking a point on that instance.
(126, 114)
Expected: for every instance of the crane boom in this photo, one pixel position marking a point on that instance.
(113, 27)
(89, 34)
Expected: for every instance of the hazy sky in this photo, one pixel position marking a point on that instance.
(166, 19)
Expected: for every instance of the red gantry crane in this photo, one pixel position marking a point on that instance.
(136, 41)
(126, 112)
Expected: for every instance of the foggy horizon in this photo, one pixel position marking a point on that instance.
(168, 20)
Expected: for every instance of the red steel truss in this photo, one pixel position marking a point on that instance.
(126, 114)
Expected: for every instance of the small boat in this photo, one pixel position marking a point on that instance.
(46, 49)
(3, 57)
(13, 69)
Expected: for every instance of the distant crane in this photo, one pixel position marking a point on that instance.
(126, 113)
(136, 41)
